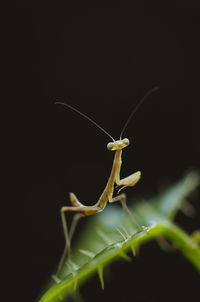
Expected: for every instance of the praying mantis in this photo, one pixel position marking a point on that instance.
(114, 179)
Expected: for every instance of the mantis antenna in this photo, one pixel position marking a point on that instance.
(85, 116)
(136, 108)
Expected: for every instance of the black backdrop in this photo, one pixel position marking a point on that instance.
(102, 61)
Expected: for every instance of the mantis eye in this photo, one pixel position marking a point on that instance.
(110, 146)
(126, 141)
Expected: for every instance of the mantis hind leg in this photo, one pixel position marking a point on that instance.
(82, 211)
(75, 206)
(74, 200)
(68, 234)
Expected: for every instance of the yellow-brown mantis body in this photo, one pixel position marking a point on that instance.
(107, 195)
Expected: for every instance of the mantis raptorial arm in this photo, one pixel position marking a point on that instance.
(130, 180)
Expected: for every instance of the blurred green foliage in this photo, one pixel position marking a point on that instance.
(114, 232)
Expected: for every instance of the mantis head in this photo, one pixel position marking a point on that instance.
(118, 145)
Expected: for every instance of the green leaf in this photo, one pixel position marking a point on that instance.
(113, 233)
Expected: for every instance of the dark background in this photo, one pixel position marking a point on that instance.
(102, 61)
